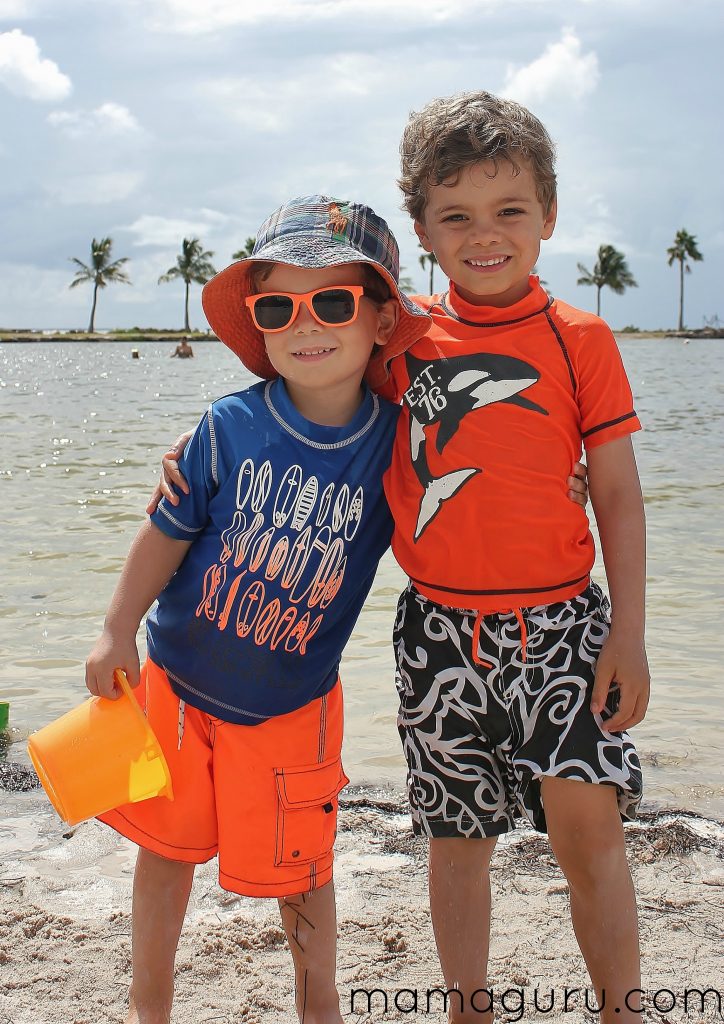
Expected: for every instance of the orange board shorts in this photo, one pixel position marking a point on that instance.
(264, 797)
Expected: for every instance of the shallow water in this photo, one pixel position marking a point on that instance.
(85, 425)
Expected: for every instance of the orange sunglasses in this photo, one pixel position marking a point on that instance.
(330, 307)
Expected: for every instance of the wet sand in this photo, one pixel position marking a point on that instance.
(65, 924)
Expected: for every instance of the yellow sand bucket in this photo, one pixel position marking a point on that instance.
(99, 756)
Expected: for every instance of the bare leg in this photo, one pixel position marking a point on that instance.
(459, 880)
(160, 895)
(587, 838)
(310, 921)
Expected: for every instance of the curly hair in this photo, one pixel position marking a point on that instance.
(452, 132)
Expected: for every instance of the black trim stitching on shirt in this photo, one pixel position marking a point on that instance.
(494, 593)
(564, 350)
(499, 323)
(610, 423)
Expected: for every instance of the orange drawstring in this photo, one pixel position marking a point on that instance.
(476, 635)
(476, 642)
(523, 631)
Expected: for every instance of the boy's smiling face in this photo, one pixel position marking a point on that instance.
(323, 366)
(485, 229)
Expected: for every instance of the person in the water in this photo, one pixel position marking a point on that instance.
(183, 350)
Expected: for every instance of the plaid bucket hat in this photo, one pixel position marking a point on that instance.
(314, 232)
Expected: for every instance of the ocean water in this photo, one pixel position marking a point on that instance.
(84, 426)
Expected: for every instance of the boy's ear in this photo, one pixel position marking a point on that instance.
(550, 221)
(422, 235)
(388, 315)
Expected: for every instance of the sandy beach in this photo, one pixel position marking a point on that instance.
(65, 894)
(65, 925)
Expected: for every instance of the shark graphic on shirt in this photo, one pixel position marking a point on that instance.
(443, 392)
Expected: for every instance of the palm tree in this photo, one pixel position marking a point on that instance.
(610, 271)
(431, 258)
(405, 282)
(683, 249)
(245, 253)
(101, 271)
(194, 264)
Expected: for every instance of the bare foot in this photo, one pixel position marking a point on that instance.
(154, 1016)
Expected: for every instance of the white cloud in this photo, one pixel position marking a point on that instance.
(357, 74)
(245, 100)
(562, 72)
(95, 189)
(109, 117)
(188, 16)
(585, 222)
(37, 293)
(272, 106)
(13, 9)
(168, 231)
(25, 73)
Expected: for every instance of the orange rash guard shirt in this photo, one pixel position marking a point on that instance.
(496, 406)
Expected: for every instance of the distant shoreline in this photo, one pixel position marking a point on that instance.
(154, 336)
(21, 336)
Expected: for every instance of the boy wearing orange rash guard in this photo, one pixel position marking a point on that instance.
(515, 686)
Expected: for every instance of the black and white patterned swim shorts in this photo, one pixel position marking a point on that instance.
(490, 705)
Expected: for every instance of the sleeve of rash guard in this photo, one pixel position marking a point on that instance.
(198, 464)
(604, 393)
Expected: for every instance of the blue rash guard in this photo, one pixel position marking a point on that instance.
(288, 521)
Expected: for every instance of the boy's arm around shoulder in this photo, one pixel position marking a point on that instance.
(152, 560)
(618, 505)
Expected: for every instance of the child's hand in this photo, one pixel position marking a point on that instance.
(622, 661)
(109, 653)
(578, 484)
(171, 476)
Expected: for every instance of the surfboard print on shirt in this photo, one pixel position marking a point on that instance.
(309, 559)
(442, 393)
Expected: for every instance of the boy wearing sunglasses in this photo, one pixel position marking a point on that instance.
(260, 572)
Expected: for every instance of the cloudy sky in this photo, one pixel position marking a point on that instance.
(151, 120)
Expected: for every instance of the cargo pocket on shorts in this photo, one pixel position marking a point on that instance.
(307, 811)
